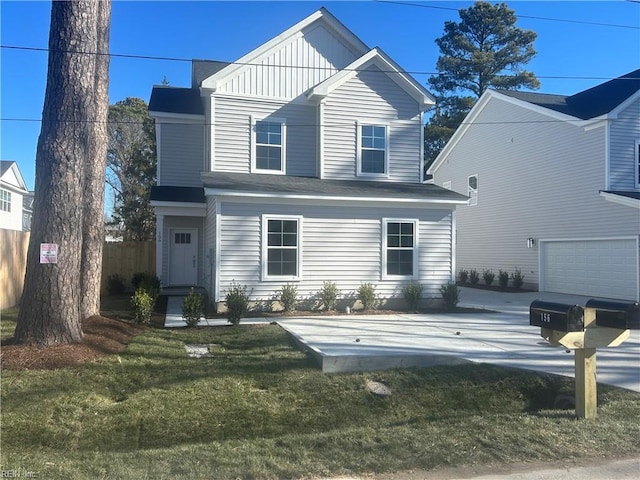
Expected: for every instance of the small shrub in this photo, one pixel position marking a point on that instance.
(115, 284)
(147, 281)
(328, 295)
(367, 296)
(412, 294)
(488, 277)
(503, 278)
(517, 278)
(289, 297)
(450, 294)
(142, 303)
(473, 276)
(237, 302)
(463, 276)
(193, 308)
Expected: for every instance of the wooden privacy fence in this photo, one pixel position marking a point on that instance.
(13, 245)
(123, 258)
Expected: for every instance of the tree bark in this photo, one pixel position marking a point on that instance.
(93, 222)
(50, 310)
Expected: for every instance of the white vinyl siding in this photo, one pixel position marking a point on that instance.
(340, 243)
(539, 178)
(305, 61)
(182, 154)
(623, 160)
(372, 98)
(233, 135)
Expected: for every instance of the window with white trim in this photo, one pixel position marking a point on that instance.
(473, 189)
(281, 250)
(400, 242)
(637, 163)
(373, 150)
(5, 200)
(269, 146)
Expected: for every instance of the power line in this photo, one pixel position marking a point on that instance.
(549, 19)
(300, 67)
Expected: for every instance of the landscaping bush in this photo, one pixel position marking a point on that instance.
(412, 294)
(450, 294)
(289, 297)
(237, 302)
(488, 277)
(147, 281)
(473, 276)
(367, 296)
(193, 308)
(115, 284)
(517, 278)
(503, 279)
(463, 276)
(328, 295)
(142, 303)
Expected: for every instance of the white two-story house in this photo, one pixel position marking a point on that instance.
(299, 163)
(554, 182)
(15, 199)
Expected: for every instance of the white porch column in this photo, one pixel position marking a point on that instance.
(159, 240)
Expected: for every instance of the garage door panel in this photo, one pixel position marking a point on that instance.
(599, 268)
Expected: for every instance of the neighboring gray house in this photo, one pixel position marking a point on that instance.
(15, 199)
(554, 183)
(299, 163)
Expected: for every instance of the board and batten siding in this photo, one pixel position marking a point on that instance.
(181, 154)
(536, 179)
(233, 133)
(624, 133)
(371, 97)
(308, 59)
(340, 243)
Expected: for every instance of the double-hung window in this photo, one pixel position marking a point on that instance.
(473, 189)
(373, 150)
(269, 146)
(5, 200)
(637, 163)
(400, 245)
(281, 247)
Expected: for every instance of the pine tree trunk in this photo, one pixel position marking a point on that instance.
(93, 229)
(50, 309)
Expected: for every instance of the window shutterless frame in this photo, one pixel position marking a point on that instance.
(400, 248)
(281, 247)
(372, 149)
(5, 200)
(268, 145)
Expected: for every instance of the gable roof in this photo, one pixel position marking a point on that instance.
(283, 186)
(377, 57)
(201, 69)
(176, 100)
(322, 15)
(5, 166)
(591, 103)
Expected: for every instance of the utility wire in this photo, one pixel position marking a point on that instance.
(299, 67)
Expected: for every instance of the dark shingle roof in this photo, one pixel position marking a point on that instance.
(587, 104)
(203, 69)
(177, 194)
(5, 165)
(312, 187)
(176, 100)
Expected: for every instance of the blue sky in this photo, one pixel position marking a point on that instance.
(571, 56)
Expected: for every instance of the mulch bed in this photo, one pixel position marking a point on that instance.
(102, 336)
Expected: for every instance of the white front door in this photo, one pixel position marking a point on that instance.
(183, 256)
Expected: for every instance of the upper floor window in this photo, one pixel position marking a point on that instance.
(373, 150)
(400, 240)
(281, 247)
(5, 200)
(269, 146)
(473, 189)
(637, 163)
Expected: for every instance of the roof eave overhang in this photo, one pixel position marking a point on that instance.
(173, 116)
(621, 199)
(209, 191)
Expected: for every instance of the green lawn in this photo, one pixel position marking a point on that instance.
(260, 409)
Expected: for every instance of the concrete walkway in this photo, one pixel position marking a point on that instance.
(502, 337)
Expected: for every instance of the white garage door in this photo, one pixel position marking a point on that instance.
(598, 268)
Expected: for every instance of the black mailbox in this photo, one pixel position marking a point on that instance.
(622, 315)
(556, 316)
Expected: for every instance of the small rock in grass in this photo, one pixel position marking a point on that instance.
(379, 389)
